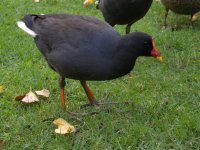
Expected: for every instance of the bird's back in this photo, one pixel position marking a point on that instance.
(77, 47)
(124, 11)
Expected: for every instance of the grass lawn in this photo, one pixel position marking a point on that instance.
(165, 97)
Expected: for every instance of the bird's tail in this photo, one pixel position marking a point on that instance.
(26, 24)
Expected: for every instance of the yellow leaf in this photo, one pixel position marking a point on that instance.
(30, 98)
(1, 89)
(43, 92)
(63, 126)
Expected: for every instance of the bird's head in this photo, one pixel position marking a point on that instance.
(88, 2)
(146, 45)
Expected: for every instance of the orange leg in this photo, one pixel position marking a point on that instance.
(62, 94)
(89, 93)
(92, 99)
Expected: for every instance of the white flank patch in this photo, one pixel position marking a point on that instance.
(23, 26)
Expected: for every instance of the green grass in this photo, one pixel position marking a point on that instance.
(164, 113)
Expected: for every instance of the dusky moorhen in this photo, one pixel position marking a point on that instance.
(122, 12)
(184, 7)
(85, 48)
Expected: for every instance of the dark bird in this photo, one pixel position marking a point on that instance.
(122, 12)
(184, 7)
(85, 48)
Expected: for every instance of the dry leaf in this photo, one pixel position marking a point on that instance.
(63, 126)
(30, 98)
(19, 97)
(43, 92)
(195, 16)
(1, 89)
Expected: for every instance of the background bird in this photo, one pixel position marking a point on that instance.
(85, 48)
(122, 12)
(184, 7)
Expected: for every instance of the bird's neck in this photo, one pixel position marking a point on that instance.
(128, 47)
(127, 53)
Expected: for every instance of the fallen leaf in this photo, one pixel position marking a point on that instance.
(19, 97)
(63, 126)
(43, 92)
(1, 89)
(195, 16)
(30, 98)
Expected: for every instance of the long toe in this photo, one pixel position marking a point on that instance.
(97, 103)
(92, 103)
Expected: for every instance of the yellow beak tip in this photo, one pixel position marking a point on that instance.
(160, 59)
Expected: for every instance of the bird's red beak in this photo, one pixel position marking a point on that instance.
(154, 52)
(88, 2)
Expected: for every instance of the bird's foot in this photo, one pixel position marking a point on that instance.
(98, 111)
(96, 103)
(75, 114)
(83, 114)
(92, 103)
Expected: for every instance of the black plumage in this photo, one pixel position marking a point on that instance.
(85, 48)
